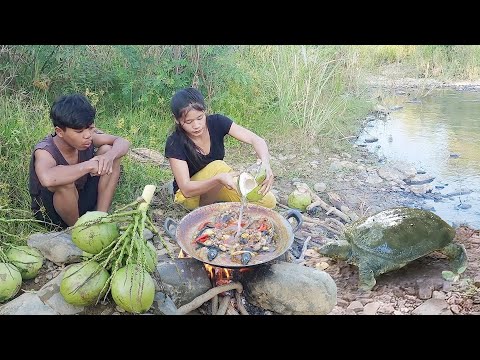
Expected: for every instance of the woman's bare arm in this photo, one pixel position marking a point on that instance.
(261, 148)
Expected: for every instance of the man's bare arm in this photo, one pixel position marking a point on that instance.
(50, 174)
(119, 148)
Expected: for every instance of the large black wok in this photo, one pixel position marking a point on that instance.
(187, 228)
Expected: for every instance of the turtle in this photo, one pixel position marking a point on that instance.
(390, 239)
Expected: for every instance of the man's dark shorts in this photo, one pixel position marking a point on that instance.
(87, 201)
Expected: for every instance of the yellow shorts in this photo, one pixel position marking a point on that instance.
(209, 171)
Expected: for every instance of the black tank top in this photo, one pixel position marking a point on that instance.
(48, 144)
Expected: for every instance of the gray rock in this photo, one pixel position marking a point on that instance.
(319, 187)
(182, 279)
(370, 139)
(371, 308)
(290, 289)
(406, 168)
(391, 174)
(56, 247)
(433, 307)
(147, 234)
(419, 179)
(50, 295)
(163, 305)
(355, 306)
(420, 189)
(27, 304)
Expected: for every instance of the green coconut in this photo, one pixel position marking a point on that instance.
(150, 257)
(82, 283)
(10, 281)
(299, 199)
(27, 260)
(130, 292)
(249, 185)
(94, 238)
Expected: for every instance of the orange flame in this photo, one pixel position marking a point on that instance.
(209, 269)
(220, 276)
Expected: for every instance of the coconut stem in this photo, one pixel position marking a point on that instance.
(3, 256)
(154, 230)
(131, 205)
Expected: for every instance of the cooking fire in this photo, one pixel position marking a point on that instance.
(225, 295)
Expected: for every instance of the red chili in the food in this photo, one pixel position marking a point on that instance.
(262, 227)
(202, 238)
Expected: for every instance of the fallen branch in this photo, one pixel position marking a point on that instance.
(199, 300)
(319, 202)
(240, 306)
(329, 209)
(283, 206)
(313, 241)
(304, 249)
(308, 221)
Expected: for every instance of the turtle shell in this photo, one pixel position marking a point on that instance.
(399, 235)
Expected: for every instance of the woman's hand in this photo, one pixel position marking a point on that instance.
(228, 180)
(268, 182)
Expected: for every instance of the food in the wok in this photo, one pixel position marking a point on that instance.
(220, 239)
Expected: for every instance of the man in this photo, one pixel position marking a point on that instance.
(76, 169)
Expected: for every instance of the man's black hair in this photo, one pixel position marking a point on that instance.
(73, 111)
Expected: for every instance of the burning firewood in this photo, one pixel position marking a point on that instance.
(199, 300)
(222, 307)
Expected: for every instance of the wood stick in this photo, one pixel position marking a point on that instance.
(222, 307)
(240, 306)
(312, 240)
(304, 249)
(231, 310)
(214, 304)
(321, 223)
(283, 206)
(199, 300)
(331, 209)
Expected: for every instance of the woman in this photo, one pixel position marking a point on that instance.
(196, 150)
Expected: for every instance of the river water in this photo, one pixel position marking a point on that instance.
(439, 134)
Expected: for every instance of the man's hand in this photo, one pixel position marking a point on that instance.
(93, 166)
(105, 163)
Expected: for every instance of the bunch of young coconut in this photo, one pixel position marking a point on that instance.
(121, 261)
(17, 262)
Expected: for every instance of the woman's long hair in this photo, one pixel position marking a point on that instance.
(182, 102)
